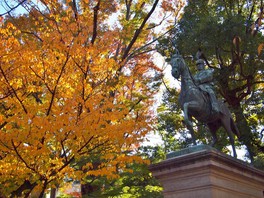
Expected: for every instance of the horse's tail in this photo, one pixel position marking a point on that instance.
(234, 127)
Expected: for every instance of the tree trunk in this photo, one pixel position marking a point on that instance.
(88, 189)
(53, 193)
(247, 138)
(25, 186)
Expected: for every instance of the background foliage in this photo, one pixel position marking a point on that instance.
(76, 89)
(229, 33)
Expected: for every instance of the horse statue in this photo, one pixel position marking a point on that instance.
(196, 103)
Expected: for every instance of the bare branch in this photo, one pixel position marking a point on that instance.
(96, 9)
(74, 8)
(13, 90)
(139, 30)
(27, 185)
(57, 82)
(128, 5)
(32, 33)
(87, 142)
(21, 158)
(12, 8)
(167, 88)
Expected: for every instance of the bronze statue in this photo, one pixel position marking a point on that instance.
(196, 101)
(204, 80)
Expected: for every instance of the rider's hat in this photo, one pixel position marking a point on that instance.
(199, 61)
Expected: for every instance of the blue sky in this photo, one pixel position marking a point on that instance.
(4, 8)
(11, 3)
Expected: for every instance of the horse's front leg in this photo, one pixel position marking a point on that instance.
(188, 120)
(190, 128)
(186, 108)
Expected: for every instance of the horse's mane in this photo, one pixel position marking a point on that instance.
(191, 75)
(189, 71)
(177, 56)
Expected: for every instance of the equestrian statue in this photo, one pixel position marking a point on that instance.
(198, 100)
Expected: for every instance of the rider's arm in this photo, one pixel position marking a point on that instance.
(205, 76)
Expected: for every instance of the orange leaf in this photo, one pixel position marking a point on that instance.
(260, 47)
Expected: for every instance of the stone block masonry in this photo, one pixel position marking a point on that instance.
(203, 172)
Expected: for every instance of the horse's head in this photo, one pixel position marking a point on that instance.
(177, 64)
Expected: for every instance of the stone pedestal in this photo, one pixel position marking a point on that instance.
(203, 172)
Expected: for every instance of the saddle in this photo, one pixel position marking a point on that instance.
(205, 93)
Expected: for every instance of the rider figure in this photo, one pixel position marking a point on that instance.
(204, 80)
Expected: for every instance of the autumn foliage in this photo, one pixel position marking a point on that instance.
(75, 84)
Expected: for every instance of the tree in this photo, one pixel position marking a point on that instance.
(75, 90)
(138, 183)
(170, 124)
(228, 32)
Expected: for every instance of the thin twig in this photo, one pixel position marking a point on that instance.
(13, 8)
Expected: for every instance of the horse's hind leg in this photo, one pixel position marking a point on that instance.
(213, 128)
(227, 125)
(232, 143)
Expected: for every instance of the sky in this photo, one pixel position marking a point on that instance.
(4, 7)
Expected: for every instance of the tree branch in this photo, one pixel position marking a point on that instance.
(134, 52)
(57, 82)
(74, 8)
(25, 186)
(95, 147)
(32, 33)
(128, 6)
(165, 85)
(21, 158)
(219, 57)
(96, 9)
(13, 90)
(13, 8)
(90, 139)
(139, 30)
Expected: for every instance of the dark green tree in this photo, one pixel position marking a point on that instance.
(229, 34)
(171, 128)
(138, 182)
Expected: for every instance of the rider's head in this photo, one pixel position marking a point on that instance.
(200, 64)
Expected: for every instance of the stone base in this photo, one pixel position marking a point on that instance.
(203, 172)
